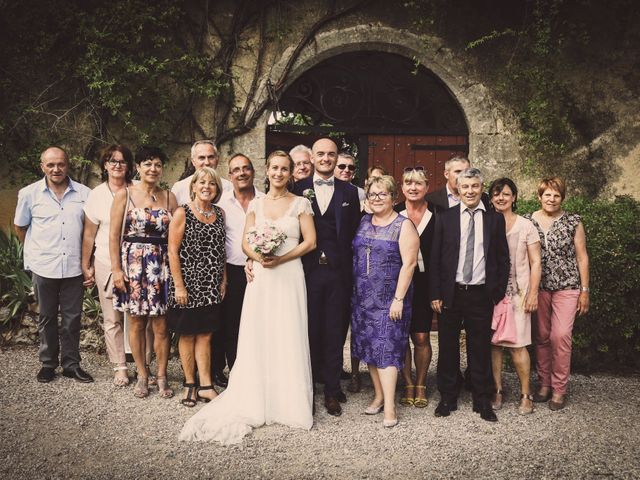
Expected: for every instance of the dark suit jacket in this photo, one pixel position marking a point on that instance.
(347, 213)
(439, 202)
(446, 250)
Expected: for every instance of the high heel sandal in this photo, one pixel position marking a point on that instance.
(371, 410)
(189, 401)
(120, 381)
(163, 387)
(205, 399)
(141, 390)
(497, 401)
(421, 402)
(152, 378)
(522, 410)
(406, 400)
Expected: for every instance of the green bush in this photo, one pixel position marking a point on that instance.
(16, 290)
(608, 337)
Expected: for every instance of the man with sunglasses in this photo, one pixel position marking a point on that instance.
(346, 171)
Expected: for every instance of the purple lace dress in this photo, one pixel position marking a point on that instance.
(375, 338)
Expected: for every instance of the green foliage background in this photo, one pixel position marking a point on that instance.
(84, 72)
(608, 336)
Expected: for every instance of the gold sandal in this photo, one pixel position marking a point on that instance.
(120, 381)
(421, 402)
(141, 390)
(163, 387)
(406, 400)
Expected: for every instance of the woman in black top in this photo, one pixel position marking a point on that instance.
(414, 188)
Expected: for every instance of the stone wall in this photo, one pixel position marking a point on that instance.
(612, 155)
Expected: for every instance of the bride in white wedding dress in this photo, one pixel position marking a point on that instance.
(271, 379)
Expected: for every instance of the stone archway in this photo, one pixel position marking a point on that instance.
(493, 145)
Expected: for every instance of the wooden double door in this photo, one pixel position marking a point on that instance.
(396, 152)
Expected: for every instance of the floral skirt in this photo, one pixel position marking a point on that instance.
(146, 270)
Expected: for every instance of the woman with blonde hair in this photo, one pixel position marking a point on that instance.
(415, 207)
(198, 280)
(385, 254)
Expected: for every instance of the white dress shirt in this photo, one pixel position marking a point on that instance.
(181, 189)
(53, 242)
(479, 273)
(323, 193)
(234, 220)
(451, 198)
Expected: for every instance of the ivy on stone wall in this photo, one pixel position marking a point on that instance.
(85, 73)
(532, 54)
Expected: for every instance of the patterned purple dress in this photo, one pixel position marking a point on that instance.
(376, 339)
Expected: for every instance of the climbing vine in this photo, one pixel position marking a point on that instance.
(83, 73)
(529, 53)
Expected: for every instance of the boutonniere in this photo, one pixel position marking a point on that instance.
(309, 194)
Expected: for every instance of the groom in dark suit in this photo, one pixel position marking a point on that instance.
(327, 269)
(469, 269)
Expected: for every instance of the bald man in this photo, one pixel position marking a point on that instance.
(49, 221)
(327, 269)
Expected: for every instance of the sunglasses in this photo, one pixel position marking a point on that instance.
(342, 166)
(417, 168)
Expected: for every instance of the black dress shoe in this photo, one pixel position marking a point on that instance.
(444, 408)
(537, 398)
(341, 397)
(78, 375)
(333, 406)
(46, 374)
(220, 379)
(345, 375)
(486, 413)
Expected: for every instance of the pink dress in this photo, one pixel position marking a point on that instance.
(522, 234)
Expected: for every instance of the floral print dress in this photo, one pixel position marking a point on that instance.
(144, 262)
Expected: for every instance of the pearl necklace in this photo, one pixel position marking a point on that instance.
(204, 213)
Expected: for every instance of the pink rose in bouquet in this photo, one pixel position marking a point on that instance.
(265, 239)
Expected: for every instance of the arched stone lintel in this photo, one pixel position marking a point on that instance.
(493, 143)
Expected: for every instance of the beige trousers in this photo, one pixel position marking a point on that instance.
(113, 320)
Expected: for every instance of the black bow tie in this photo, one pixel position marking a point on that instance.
(319, 181)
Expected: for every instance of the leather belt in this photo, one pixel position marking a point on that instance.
(462, 286)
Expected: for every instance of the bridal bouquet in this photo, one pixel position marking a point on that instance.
(265, 239)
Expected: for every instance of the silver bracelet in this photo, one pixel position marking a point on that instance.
(584, 289)
(398, 299)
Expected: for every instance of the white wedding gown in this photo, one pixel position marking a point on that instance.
(271, 379)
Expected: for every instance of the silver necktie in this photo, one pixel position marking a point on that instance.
(467, 269)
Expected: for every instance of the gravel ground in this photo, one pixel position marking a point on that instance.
(70, 430)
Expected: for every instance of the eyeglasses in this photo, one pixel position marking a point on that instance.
(417, 168)
(342, 166)
(304, 163)
(119, 163)
(238, 170)
(378, 196)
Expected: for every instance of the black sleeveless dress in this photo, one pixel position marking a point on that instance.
(202, 262)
